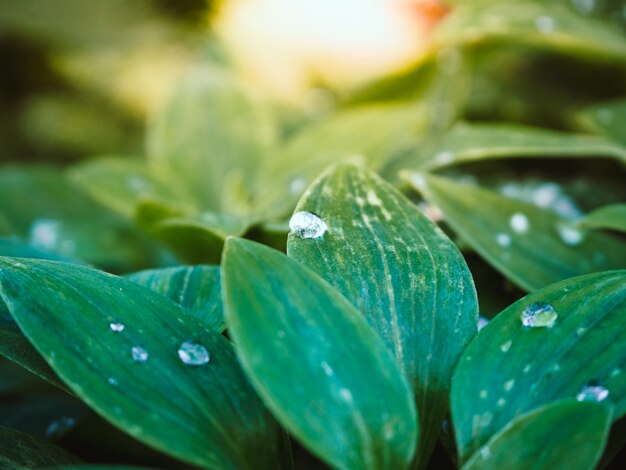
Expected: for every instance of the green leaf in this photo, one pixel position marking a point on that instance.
(468, 142)
(533, 247)
(547, 25)
(212, 130)
(19, 451)
(118, 183)
(606, 118)
(524, 367)
(566, 434)
(316, 363)
(206, 414)
(612, 217)
(374, 134)
(401, 271)
(196, 288)
(14, 346)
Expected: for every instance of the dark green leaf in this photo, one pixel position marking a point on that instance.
(196, 288)
(19, 451)
(467, 142)
(511, 368)
(404, 275)
(317, 364)
(611, 217)
(566, 434)
(132, 375)
(531, 246)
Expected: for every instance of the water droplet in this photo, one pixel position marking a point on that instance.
(506, 346)
(539, 314)
(297, 185)
(116, 326)
(501, 402)
(431, 211)
(593, 391)
(519, 223)
(570, 235)
(327, 369)
(445, 157)
(584, 6)
(615, 372)
(482, 322)
(503, 239)
(581, 331)
(112, 381)
(44, 233)
(373, 199)
(545, 24)
(485, 453)
(307, 225)
(59, 426)
(483, 394)
(346, 395)
(139, 354)
(508, 386)
(193, 354)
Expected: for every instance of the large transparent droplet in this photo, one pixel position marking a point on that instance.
(519, 222)
(539, 314)
(193, 354)
(139, 354)
(307, 225)
(593, 391)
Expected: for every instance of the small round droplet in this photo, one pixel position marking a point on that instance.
(307, 225)
(519, 223)
(116, 326)
(193, 354)
(539, 314)
(570, 235)
(593, 391)
(112, 381)
(139, 354)
(444, 158)
(545, 24)
(346, 395)
(59, 427)
(503, 239)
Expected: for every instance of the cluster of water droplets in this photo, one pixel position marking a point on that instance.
(305, 224)
(593, 391)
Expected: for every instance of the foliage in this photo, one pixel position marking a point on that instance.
(268, 287)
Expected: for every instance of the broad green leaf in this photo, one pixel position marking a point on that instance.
(120, 348)
(404, 275)
(467, 142)
(566, 434)
(547, 25)
(532, 247)
(211, 130)
(15, 380)
(19, 451)
(117, 183)
(14, 346)
(319, 367)
(373, 134)
(606, 118)
(511, 368)
(196, 288)
(611, 217)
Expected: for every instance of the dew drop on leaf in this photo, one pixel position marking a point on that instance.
(593, 391)
(139, 354)
(116, 326)
(193, 354)
(519, 223)
(570, 235)
(539, 314)
(307, 225)
(545, 24)
(59, 426)
(503, 239)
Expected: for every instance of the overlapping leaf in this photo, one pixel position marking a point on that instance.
(612, 217)
(19, 451)
(314, 360)
(140, 360)
(531, 246)
(566, 434)
(511, 368)
(195, 288)
(403, 274)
